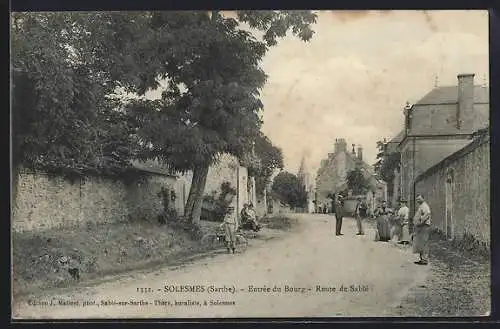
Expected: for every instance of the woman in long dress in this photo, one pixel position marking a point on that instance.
(382, 213)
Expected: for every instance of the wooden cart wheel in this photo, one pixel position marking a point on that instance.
(210, 241)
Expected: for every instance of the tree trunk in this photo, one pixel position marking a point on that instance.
(195, 198)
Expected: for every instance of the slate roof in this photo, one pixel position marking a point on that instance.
(398, 138)
(449, 95)
(480, 137)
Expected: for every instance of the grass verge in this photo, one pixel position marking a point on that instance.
(44, 260)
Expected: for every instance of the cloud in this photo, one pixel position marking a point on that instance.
(354, 77)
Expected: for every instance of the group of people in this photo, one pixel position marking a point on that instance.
(231, 224)
(391, 223)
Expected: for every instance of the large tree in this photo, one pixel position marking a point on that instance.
(211, 104)
(64, 66)
(288, 189)
(68, 65)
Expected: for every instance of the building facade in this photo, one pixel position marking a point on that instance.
(438, 125)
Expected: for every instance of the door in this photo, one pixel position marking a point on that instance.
(449, 206)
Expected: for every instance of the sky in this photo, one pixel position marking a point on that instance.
(354, 77)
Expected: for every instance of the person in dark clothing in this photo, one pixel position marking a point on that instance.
(382, 213)
(339, 214)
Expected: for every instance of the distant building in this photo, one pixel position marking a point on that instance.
(438, 125)
(332, 174)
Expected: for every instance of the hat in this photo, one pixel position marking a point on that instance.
(402, 201)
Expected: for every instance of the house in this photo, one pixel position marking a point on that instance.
(304, 177)
(332, 174)
(438, 125)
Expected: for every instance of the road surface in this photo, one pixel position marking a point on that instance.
(309, 273)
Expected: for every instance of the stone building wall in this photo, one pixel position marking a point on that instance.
(465, 178)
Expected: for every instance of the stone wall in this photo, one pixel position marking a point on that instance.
(44, 202)
(468, 192)
(421, 153)
(229, 170)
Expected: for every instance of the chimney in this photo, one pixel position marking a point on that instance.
(340, 145)
(465, 106)
(360, 153)
(407, 114)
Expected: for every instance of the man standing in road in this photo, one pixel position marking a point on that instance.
(360, 213)
(422, 225)
(339, 213)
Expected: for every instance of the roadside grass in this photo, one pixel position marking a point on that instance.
(279, 222)
(43, 260)
(47, 260)
(459, 280)
(458, 284)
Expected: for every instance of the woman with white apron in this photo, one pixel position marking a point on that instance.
(403, 217)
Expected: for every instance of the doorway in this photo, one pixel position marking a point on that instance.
(449, 225)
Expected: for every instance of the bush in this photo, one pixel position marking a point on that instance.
(169, 213)
(215, 208)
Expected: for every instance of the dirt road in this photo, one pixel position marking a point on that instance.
(310, 272)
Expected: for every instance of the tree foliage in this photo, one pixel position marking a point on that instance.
(288, 189)
(64, 65)
(212, 104)
(387, 163)
(357, 182)
(219, 203)
(205, 65)
(271, 159)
